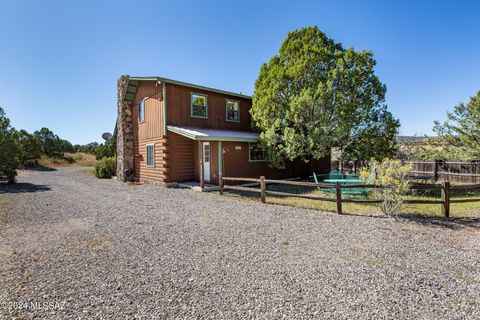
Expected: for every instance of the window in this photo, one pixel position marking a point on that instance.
(256, 153)
(151, 155)
(141, 111)
(233, 110)
(199, 107)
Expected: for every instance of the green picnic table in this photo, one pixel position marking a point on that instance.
(347, 182)
(344, 181)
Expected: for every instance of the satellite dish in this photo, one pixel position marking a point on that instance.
(107, 136)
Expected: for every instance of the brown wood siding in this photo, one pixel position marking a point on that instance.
(236, 164)
(178, 109)
(148, 132)
(161, 170)
(181, 158)
(152, 127)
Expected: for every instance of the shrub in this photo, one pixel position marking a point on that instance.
(105, 168)
(8, 150)
(392, 175)
(29, 147)
(104, 151)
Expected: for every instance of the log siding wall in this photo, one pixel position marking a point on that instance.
(158, 173)
(181, 158)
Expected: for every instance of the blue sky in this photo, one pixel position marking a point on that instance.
(59, 60)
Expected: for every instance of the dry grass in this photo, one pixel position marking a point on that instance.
(471, 210)
(4, 205)
(68, 160)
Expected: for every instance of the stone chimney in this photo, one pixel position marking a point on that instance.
(125, 150)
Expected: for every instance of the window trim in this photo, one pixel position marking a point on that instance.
(250, 156)
(143, 110)
(191, 105)
(226, 110)
(146, 157)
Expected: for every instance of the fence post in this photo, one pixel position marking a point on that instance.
(446, 198)
(435, 170)
(262, 189)
(338, 192)
(221, 184)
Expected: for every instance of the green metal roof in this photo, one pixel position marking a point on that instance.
(133, 84)
(205, 134)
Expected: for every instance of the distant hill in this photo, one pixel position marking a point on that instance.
(410, 139)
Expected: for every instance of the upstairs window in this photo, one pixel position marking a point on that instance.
(141, 111)
(256, 153)
(199, 107)
(233, 110)
(150, 155)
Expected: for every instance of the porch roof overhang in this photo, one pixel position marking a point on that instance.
(204, 134)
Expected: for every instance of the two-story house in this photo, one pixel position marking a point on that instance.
(170, 131)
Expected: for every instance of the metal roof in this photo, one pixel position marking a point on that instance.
(214, 134)
(133, 82)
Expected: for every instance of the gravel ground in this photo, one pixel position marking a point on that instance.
(73, 246)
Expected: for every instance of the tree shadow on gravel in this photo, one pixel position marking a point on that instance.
(37, 167)
(23, 188)
(442, 222)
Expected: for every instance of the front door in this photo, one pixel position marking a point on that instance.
(206, 161)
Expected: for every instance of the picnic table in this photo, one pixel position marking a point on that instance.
(346, 182)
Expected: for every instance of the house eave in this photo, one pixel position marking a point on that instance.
(133, 83)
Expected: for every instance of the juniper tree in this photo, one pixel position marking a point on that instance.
(315, 95)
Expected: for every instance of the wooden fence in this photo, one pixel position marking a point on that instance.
(453, 171)
(434, 170)
(445, 189)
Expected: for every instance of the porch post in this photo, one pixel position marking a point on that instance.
(220, 162)
(200, 167)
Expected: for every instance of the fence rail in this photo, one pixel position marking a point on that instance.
(445, 189)
(453, 171)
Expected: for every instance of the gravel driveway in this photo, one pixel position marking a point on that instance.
(73, 246)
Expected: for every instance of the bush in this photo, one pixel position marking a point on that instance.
(392, 175)
(29, 147)
(8, 150)
(104, 151)
(105, 168)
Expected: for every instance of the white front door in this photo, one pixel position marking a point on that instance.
(206, 161)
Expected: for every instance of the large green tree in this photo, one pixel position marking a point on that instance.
(52, 145)
(8, 150)
(29, 147)
(459, 136)
(315, 95)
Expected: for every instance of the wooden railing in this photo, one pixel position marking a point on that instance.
(445, 189)
(458, 171)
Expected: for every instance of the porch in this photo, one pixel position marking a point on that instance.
(195, 186)
(209, 148)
